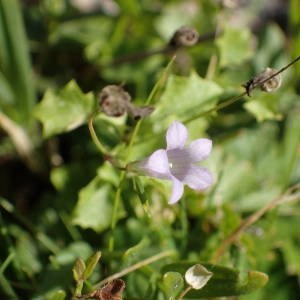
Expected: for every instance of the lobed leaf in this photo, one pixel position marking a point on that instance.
(65, 110)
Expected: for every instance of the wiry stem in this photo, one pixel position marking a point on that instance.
(134, 57)
(254, 217)
(135, 267)
(217, 108)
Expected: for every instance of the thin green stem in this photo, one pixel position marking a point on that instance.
(156, 87)
(7, 289)
(114, 216)
(7, 261)
(184, 225)
(93, 134)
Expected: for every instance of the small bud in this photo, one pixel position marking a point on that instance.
(184, 36)
(114, 100)
(261, 80)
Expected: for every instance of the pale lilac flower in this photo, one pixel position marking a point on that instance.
(177, 162)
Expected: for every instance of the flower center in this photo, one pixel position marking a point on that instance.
(179, 162)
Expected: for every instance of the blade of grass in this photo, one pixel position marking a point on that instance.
(7, 289)
(15, 61)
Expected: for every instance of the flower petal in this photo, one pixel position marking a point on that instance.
(197, 178)
(199, 150)
(177, 191)
(156, 165)
(176, 135)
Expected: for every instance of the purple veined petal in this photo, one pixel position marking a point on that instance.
(198, 178)
(176, 135)
(156, 165)
(177, 191)
(199, 149)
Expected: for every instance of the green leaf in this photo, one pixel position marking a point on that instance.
(289, 149)
(65, 110)
(171, 18)
(91, 264)
(70, 253)
(133, 254)
(290, 251)
(27, 254)
(55, 7)
(185, 97)
(108, 174)
(173, 283)
(6, 92)
(264, 107)
(234, 46)
(57, 295)
(271, 49)
(83, 31)
(94, 208)
(224, 281)
(7, 289)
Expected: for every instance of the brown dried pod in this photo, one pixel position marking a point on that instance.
(261, 80)
(112, 291)
(114, 100)
(184, 36)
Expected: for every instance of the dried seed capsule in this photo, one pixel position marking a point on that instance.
(112, 291)
(261, 80)
(273, 83)
(114, 100)
(184, 36)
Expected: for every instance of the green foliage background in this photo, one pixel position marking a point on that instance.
(60, 200)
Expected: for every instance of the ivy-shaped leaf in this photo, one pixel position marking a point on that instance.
(234, 46)
(185, 97)
(65, 110)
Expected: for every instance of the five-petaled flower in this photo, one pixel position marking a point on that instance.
(177, 162)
